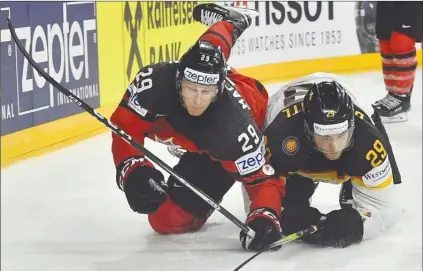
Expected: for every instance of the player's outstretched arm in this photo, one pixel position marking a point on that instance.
(265, 191)
(375, 208)
(144, 186)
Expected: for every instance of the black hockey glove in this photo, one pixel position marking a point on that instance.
(266, 225)
(144, 186)
(339, 229)
(296, 218)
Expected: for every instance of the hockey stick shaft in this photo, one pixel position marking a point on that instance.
(115, 129)
(280, 242)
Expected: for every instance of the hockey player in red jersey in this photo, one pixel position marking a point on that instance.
(398, 26)
(216, 115)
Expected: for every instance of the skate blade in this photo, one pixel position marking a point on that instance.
(401, 117)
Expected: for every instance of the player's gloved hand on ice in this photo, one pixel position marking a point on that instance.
(296, 218)
(266, 225)
(144, 186)
(339, 228)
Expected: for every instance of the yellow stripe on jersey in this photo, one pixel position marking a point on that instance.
(324, 176)
(333, 178)
(359, 181)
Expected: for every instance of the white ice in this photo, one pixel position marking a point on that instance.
(63, 211)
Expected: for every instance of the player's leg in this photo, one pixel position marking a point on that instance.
(384, 26)
(297, 214)
(299, 191)
(345, 195)
(385, 12)
(398, 53)
(403, 45)
(184, 211)
(226, 25)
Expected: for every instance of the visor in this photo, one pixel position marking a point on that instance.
(332, 138)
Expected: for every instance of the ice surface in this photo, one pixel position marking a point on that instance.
(63, 211)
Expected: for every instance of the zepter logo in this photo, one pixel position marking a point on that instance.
(62, 39)
(200, 77)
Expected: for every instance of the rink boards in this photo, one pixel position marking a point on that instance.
(95, 49)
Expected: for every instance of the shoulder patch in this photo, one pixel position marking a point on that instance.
(290, 145)
(133, 101)
(252, 161)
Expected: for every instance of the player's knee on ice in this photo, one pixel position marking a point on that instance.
(185, 207)
(170, 218)
(204, 173)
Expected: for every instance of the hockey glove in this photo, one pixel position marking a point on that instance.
(339, 229)
(144, 186)
(266, 225)
(295, 218)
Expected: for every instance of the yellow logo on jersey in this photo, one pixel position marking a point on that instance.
(290, 145)
(330, 114)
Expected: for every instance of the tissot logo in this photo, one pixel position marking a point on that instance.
(133, 19)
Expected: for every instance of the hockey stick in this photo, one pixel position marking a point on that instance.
(280, 242)
(127, 137)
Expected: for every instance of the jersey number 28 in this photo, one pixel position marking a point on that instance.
(245, 138)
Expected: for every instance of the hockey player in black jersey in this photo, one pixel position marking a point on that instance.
(216, 115)
(325, 137)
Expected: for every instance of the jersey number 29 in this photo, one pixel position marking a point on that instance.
(245, 138)
(144, 83)
(377, 154)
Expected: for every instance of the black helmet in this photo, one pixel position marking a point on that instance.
(328, 110)
(204, 64)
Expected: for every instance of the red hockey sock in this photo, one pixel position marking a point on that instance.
(398, 62)
(220, 34)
